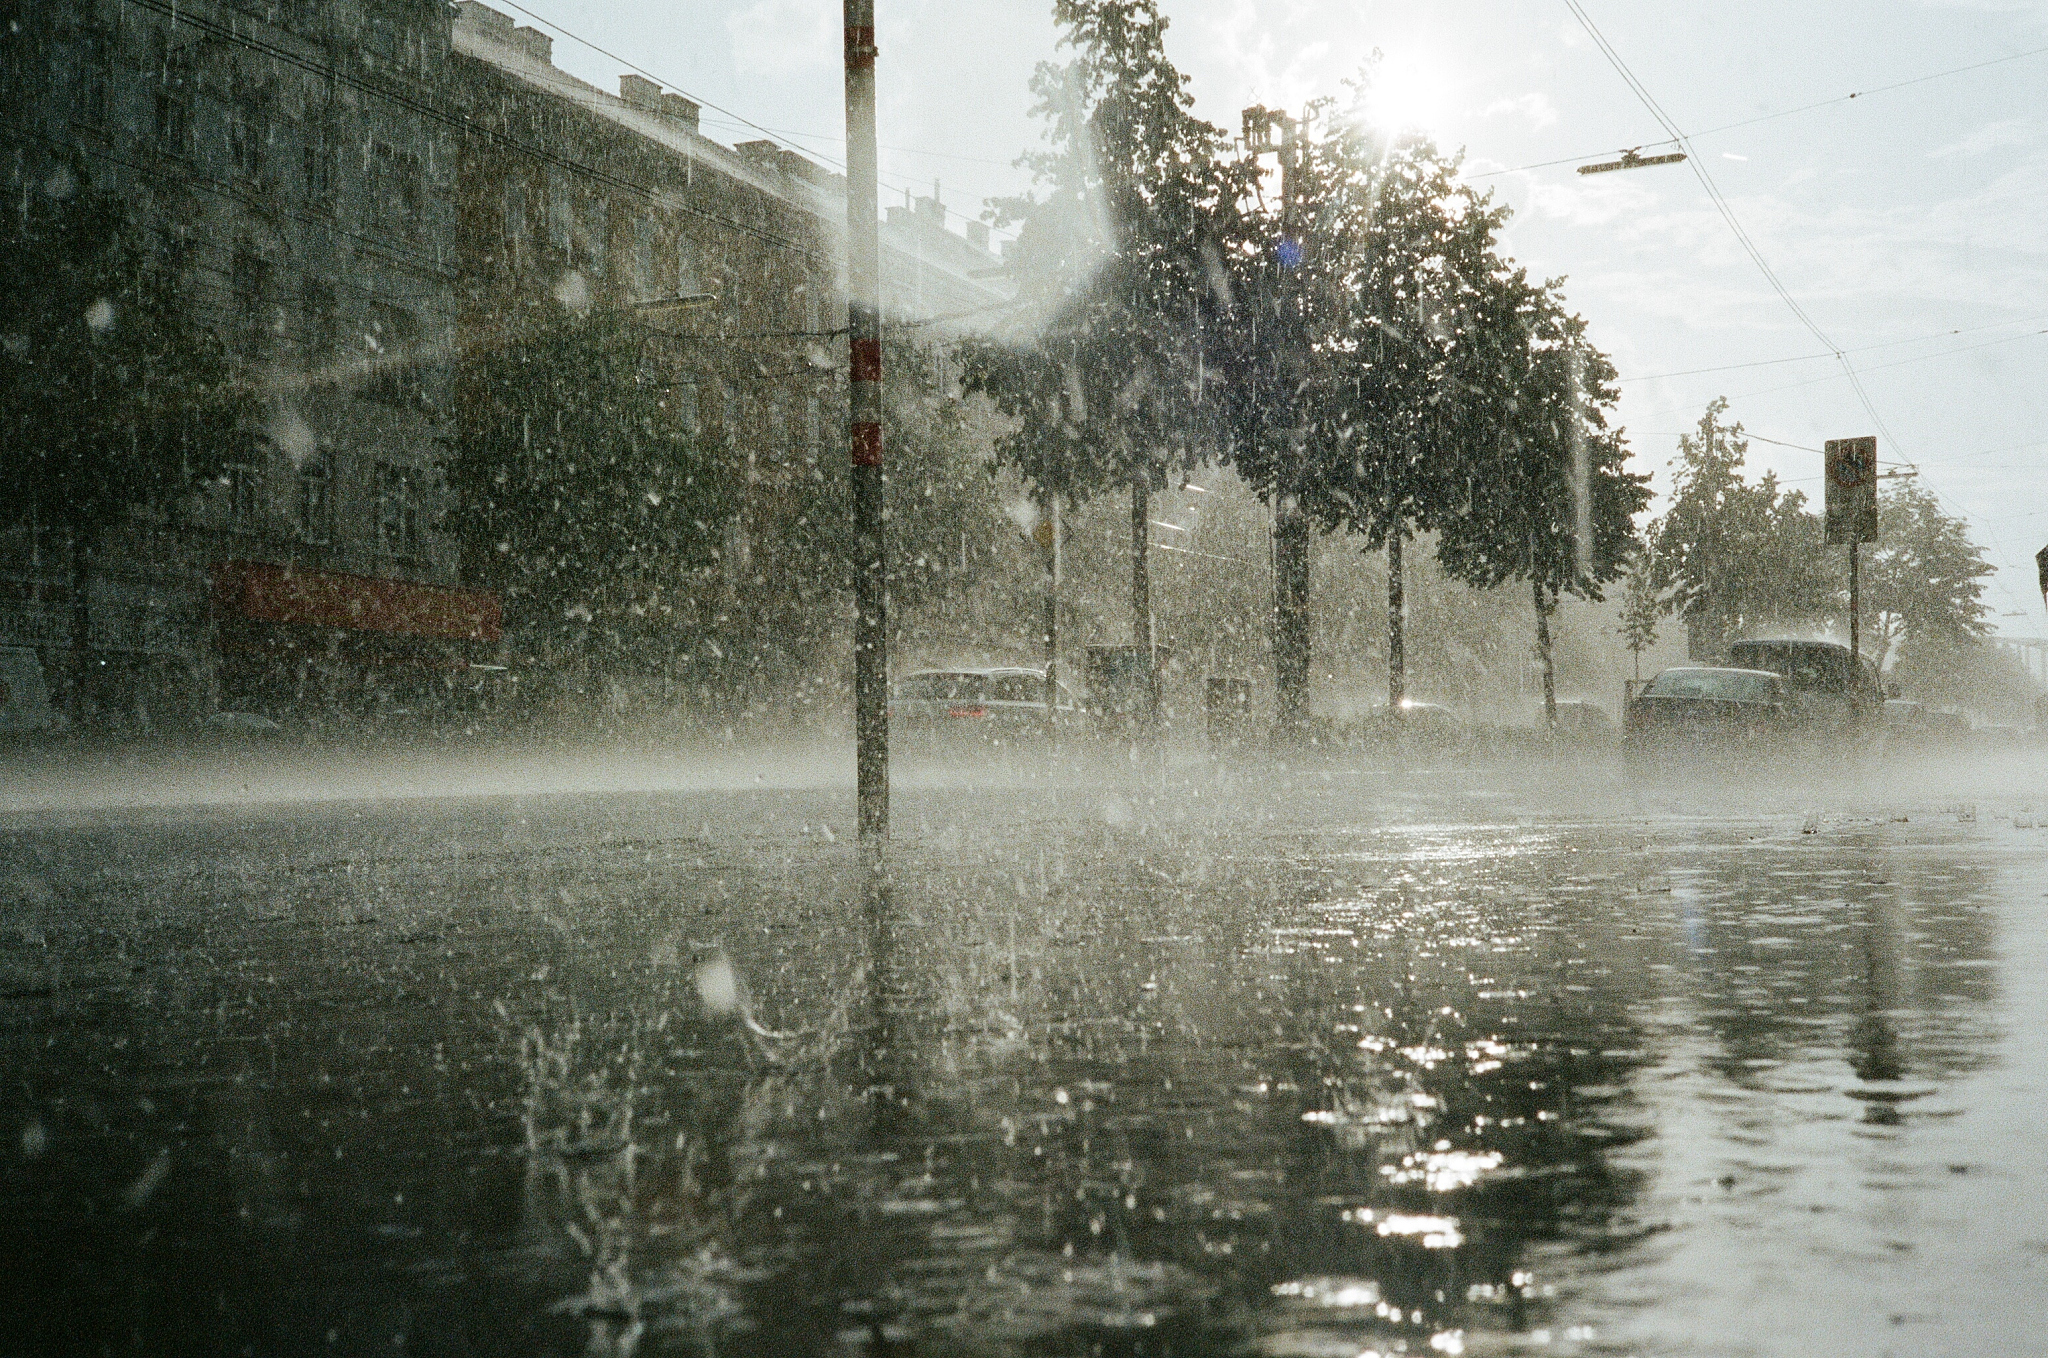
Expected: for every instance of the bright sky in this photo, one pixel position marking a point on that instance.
(1910, 225)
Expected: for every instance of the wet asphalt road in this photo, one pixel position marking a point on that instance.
(1172, 1060)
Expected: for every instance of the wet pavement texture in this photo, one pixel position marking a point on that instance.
(1329, 1064)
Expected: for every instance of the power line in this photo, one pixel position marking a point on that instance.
(1727, 212)
(1863, 349)
(1881, 367)
(1782, 113)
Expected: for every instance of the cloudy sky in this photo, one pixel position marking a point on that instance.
(1909, 224)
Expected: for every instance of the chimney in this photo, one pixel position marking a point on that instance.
(798, 166)
(680, 111)
(641, 93)
(535, 44)
(484, 21)
(977, 235)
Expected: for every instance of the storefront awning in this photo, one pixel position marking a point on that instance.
(263, 591)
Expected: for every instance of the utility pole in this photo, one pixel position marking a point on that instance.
(1291, 641)
(864, 340)
(1855, 606)
(1851, 518)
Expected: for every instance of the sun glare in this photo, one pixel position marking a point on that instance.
(1407, 93)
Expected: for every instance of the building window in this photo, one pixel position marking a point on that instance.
(321, 143)
(90, 51)
(391, 355)
(515, 221)
(561, 210)
(397, 189)
(320, 322)
(398, 511)
(594, 231)
(173, 124)
(316, 499)
(686, 399)
(248, 126)
(644, 284)
(249, 284)
(688, 280)
(245, 496)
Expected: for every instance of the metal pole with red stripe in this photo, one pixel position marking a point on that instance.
(864, 330)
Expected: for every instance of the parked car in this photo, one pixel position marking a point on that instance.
(1833, 692)
(1581, 721)
(1700, 709)
(990, 704)
(240, 726)
(1419, 723)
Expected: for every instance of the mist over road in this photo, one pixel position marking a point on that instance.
(1164, 1056)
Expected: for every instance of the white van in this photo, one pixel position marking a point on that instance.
(24, 697)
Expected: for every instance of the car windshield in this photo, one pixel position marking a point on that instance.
(1735, 686)
(1017, 688)
(944, 687)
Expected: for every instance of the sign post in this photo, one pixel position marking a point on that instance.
(1852, 515)
(864, 339)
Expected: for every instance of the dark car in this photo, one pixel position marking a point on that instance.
(992, 703)
(1698, 709)
(1833, 693)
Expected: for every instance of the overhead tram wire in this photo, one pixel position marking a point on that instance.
(1861, 349)
(1881, 367)
(1721, 205)
(462, 123)
(1656, 110)
(738, 119)
(1781, 113)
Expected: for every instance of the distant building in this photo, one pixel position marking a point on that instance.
(278, 156)
(352, 194)
(573, 199)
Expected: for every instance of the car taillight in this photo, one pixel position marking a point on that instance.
(967, 712)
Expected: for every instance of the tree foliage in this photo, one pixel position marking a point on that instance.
(1923, 580)
(581, 496)
(1116, 262)
(1351, 352)
(1736, 556)
(1547, 497)
(113, 397)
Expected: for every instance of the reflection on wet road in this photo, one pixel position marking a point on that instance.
(1165, 1074)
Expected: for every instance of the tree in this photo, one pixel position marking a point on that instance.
(1923, 580)
(621, 535)
(1102, 370)
(1736, 556)
(113, 400)
(1356, 350)
(1641, 606)
(1548, 499)
(581, 495)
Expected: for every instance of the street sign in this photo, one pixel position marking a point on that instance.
(1631, 161)
(1852, 490)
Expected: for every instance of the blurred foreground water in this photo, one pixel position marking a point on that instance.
(1141, 1060)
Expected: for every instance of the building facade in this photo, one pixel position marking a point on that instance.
(353, 194)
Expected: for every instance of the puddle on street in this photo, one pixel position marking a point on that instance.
(663, 1075)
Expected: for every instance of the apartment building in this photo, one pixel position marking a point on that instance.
(277, 158)
(352, 193)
